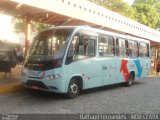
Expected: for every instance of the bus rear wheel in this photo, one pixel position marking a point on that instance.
(129, 82)
(73, 89)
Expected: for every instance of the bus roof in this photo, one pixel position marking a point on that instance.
(101, 31)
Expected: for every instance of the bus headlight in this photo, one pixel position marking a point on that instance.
(53, 77)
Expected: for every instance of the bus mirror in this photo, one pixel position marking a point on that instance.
(69, 60)
(70, 55)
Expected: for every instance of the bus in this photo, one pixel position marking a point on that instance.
(69, 59)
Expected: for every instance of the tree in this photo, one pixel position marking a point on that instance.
(151, 2)
(19, 25)
(158, 10)
(118, 6)
(148, 12)
(37, 26)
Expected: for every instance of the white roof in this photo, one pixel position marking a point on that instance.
(77, 12)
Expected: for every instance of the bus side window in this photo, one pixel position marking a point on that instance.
(81, 47)
(121, 47)
(133, 49)
(140, 50)
(106, 45)
(130, 49)
(148, 52)
(136, 47)
(72, 49)
(144, 50)
(87, 47)
(117, 47)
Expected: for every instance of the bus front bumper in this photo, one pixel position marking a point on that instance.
(57, 86)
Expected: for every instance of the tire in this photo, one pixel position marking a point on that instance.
(73, 89)
(129, 82)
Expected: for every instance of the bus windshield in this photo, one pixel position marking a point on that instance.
(49, 45)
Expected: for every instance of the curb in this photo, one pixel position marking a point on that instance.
(153, 76)
(11, 88)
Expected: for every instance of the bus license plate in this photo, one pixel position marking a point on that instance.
(35, 87)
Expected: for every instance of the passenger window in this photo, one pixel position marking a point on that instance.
(85, 48)
(82, 46)
(132, 49)
(106, 46)
(143, 50)
(121, 47)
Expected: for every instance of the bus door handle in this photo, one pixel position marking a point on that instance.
(104, 67)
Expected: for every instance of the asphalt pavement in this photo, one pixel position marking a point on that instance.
(142, 97)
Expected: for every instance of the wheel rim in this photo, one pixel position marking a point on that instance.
(74, 88)
(130, 80)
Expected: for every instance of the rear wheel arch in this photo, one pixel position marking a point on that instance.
(131, 78)
(133, 73)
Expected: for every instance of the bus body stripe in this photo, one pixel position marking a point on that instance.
(124, 69)
(139, 68)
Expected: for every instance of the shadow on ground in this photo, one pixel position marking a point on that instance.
(57, 96)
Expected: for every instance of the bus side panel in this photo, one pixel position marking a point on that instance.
(124, 66)
(132, 67)
(121, 69)
(108, 70)
(145, 67)
(89, 69)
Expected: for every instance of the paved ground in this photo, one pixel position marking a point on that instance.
(142, 97)
(11, 78)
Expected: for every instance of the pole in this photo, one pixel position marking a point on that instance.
(27, 34)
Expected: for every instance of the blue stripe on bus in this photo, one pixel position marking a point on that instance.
(139, 68)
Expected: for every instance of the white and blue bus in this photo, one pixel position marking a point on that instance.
(68, 59)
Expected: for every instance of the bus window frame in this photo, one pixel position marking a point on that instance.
(117, 47)
(80, 34)
(112, 49)
(135, 42)
(146, 55)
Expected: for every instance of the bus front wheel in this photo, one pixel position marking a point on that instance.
(129, 82)
(73, 89)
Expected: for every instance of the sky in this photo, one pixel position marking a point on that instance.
(129, 1)
(6, 30)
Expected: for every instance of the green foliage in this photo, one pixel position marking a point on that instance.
(121, 7)
(151, 2)
(19, 25)
(118, 6)
(146, 12)
(36, 26)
